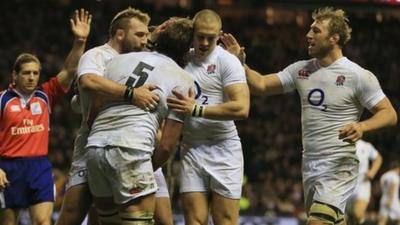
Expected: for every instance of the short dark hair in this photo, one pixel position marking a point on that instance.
(121, 20)
(24, 58)
(175, 40)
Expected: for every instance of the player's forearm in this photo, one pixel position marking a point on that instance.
(255, 81)
(376, 164)
(102, 86)
(68, 72)
(233, 110)
(170, 135)
(160, 157)
(383, 118)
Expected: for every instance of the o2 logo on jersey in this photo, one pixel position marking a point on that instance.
(198, 95)
(316, 97)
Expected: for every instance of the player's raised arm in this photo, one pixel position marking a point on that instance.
(80, 27)
(259, 84)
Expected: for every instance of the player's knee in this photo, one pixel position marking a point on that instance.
(137, 218)
(108, 217)
(325, 213)
(41, 219)
(44, 221)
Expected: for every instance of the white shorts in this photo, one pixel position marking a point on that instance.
(121, 173)
(392, 212)
(78, 171)
(216, 166)
(162, 191)
(362, 191)
(329, 181)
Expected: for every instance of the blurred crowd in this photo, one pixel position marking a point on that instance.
(271, 137)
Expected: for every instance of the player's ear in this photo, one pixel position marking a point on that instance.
(335, 38)
(120, 34)
(13, 76)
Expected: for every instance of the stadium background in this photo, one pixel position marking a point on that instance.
(273, 33)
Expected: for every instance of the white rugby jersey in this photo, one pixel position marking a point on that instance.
(390, 178)
(331, 97)
(92, 61)
(125, 125)
(219, 70)
(366, 152)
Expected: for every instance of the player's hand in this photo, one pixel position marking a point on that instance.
(3, 180)
(232, 46)
(144, 98)
(351, 133)
(80, 24)
(182, 104)
(369, 175)
(160, 28)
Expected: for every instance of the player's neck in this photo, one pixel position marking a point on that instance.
(116, 46)
(331, 57)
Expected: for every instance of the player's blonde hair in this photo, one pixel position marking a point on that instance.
(338, 23)
(121, 20)
(24, 58)
(207, 16)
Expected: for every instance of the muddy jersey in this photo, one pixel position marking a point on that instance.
(125, 125)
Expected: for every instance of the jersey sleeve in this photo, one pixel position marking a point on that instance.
(288, 76)
(232, 71)
(369, 92)
(91, 62)
(54, 90)
(373, 153)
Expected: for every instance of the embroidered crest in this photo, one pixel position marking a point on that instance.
(340, 80)
(15, 108)
(303, 74)
(35, 108)
(211, 68)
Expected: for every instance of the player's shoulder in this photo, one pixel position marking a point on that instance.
(309, 65)
(100, 50)
(390, 175)
(223, 56)
(352, 67)
(361, 143)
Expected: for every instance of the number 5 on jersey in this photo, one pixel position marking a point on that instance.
(139, 71)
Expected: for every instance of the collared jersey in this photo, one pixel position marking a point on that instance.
(331, 97)
(122, 124)
(24, 128)
(218, 71)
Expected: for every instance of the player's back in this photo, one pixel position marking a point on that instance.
(123, 124)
